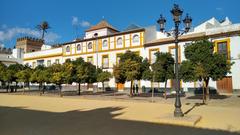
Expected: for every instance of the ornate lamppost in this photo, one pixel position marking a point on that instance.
(96, 45)
(177, 13)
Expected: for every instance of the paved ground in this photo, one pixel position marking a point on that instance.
(33, 115)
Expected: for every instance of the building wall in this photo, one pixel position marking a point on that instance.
(112, 49)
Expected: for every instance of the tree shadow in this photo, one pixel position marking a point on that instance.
(199, 96)
(102, 121)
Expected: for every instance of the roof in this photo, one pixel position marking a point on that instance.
(101, 25)
(132, 27)
(191, 37)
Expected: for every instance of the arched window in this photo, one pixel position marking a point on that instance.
(90, 45)
(119, 41)
(135, 39)
(79, 47)
(68, 49)
(105, 43)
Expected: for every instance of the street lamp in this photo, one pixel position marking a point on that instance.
(96, 36)
(177, 13)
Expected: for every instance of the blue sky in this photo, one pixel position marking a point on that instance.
(19, 17)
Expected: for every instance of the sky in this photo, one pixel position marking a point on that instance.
(69, 19)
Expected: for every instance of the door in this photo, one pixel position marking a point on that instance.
(225, 85)
(120, 86)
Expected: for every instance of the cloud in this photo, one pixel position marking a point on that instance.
(83, 23)
(1, 45)
(75, 20)
(9, 33)
(4, 26)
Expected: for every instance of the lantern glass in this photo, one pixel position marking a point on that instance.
(187, 21)
(161, 21)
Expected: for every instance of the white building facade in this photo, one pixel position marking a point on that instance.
(103, 44)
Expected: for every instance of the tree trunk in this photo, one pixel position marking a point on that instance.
(23, 87)
(79, 88)
(131, 94)
(28, 86)
(60, 90)
(39, 86)
(16, 87)
(165, 89)
(11, 88)
(43, 88)
(207, 88)
(103, 87)
(7, 87)
(152, 91)
(203, 95)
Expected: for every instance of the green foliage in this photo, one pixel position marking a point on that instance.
(147, 75)
(202, 64)
(24, 75)
(86, 72)
(205, 63)
(163, 68)
(10, 74)
(119, 74)
(41, 74)
(3, 69)
(130, 67)
(103, 76)
(57, 74)
(187, 72)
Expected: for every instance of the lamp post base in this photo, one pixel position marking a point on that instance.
(178, 112)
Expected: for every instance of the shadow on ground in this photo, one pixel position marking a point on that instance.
(19, 121)
(211, 97)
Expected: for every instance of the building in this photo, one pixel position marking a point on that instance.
(11, 56)
(103, 44)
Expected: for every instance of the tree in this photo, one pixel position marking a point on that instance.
(43, 27)
(3, 69)
(128, 69)
(79, 72)
(57, 76)
(103, 76)
(11, 76)
(203, 63)
(41, 75)
(24, 76)
(163, 68)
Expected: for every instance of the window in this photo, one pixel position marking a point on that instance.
(105, 43)
(105, 61)
(49, 63)
(119, 41)
(57, 61)
(152, 56)
(90, 45)
(90, 59)
(222, 48)
(135, 39)
(68, 49)
(78, 47)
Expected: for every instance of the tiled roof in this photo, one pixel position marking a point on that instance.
(101, 25)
